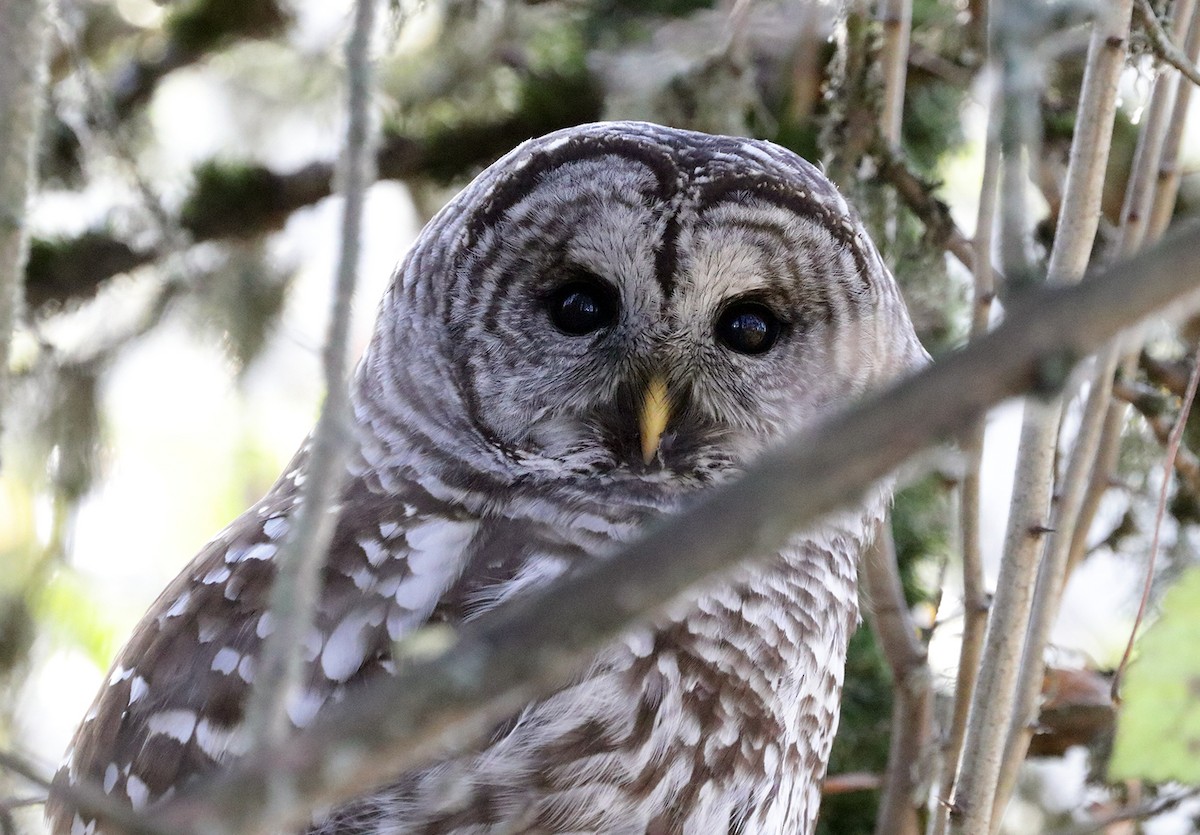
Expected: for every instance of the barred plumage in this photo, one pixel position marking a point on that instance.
(502, 442)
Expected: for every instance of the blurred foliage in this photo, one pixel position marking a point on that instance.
(1158, 729)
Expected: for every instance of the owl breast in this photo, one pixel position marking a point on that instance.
(717, 718)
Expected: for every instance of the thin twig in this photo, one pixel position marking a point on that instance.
(970, 501)
(1169, 170)
(88, 799)
(296, 588)
(912, 685)
(918, 195)
(854, 781)
(1138, 811)
(1168, 466)
(1187, 466)
(535, 644)
(1163, 44)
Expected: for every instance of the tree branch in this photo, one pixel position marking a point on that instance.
(23, 27)
(1163, 45)
(243, 201)
(918, 195)
(297, 584)
(912, 709)
(1073, 245)
(534, 645)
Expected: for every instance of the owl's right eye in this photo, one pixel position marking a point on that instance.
(582, 305)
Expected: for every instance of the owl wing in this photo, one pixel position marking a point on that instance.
(173, 705)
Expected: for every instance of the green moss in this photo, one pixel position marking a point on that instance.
(228, 196)
(201, 25)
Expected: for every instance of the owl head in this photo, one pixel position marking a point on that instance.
(625, 300)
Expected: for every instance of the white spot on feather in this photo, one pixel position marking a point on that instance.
(345, 649)
(110, 777)
(362, 578)
(373, 549)
(260, 551)
(275, 527)
(437, 542)
(78, 827)
(264, 627)
(226, 660)
(217, 742)
(137, 688)
(138, 792)
(177, 724)
(303, 707)
(119, 674)
(208, 628)
(217, 575)
(245, 669)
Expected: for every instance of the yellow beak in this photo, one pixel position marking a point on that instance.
(653, 416)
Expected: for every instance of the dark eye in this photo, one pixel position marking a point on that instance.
(582, 305)
(747, 327)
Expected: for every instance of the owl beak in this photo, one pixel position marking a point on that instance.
(653, 416)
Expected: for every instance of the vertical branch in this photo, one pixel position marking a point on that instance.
(896, 16)
(1169, 172)
(912, 710)
(294, 594)
(970, 503)
(1076, 232)
(995, 694)
(1151, 155)
(23, 26)
(1018, 132)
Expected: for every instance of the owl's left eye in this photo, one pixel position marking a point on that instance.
(747, 327)
(582, 306)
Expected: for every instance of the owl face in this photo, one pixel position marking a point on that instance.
(631, 300)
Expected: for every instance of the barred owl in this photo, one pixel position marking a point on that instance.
(606, 322)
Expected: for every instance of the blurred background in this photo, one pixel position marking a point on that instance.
(184, 241)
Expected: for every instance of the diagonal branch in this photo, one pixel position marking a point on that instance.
(1163, 45)
(918, 194)
(533, 646)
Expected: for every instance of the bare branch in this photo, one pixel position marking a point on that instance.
(987, 755)
(970, 501)
(1154, 151)
(1187, 466)
(918, 195)
(85, 797)
(531, 647)
(1163, 44)
(912, 710)
(1169, 170)
(297, 582)
(896, 16)
(856, 781)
